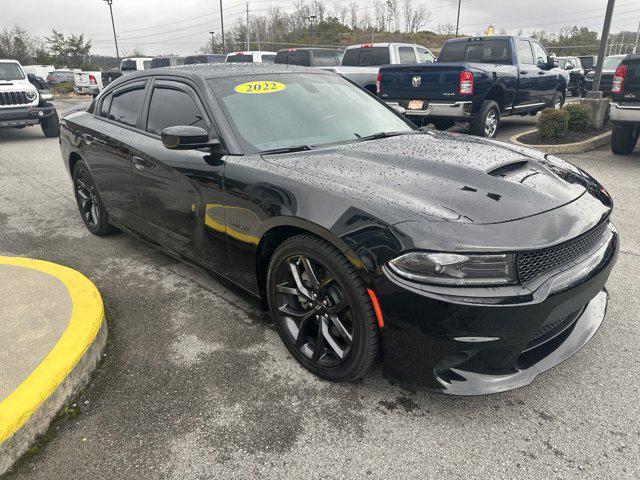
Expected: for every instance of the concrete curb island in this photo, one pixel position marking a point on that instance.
(577, 147)
(29, 406)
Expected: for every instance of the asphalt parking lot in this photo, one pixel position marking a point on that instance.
(196, 384)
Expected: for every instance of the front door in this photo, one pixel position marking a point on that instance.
(177, 188)
(530, 93)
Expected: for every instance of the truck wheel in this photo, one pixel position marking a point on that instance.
(443, 124)
(575, 92)
(51, 125)
(624, 139)
(488, 121)
(557, 101)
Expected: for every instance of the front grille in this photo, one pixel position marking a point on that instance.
(13, 98)
(533, 264)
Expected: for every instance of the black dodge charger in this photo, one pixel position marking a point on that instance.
(467, 266)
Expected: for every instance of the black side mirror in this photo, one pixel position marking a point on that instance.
(37, 82)
(187, 138)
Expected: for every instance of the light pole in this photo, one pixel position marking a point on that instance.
(224, 44)
(115, 38)
(213, 42)
(602, 50)
(458, 20)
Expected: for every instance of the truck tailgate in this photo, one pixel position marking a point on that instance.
(438, 81)
(83, 79)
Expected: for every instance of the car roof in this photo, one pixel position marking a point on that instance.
(382, 44)
(221, 70)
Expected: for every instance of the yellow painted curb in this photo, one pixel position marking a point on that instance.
(87, 315)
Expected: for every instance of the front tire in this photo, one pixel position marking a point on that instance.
(321, 309)
(557, 101)
(92, 211)
(51, 125)
(488, 121)
(624, 139)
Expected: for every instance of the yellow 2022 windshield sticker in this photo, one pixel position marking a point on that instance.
(262, 86)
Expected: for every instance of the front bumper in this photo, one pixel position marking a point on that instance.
(453, 110)
(24, 116)
(625, 113)
(473, 346)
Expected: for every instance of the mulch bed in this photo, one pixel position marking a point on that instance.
(571, 137)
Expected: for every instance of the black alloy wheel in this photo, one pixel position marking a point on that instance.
(321, 309)
(92, 211)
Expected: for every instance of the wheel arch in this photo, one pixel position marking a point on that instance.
(74, 158)
(497, 93)
(287, 227)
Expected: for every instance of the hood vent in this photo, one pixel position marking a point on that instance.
(505, 170)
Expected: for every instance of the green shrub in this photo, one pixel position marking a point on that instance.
(553, 123)
(63, 88)
(579, 116)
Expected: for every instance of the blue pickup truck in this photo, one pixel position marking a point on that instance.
(474, 82)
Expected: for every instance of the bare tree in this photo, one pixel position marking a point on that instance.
(415, 18)
(353, 15)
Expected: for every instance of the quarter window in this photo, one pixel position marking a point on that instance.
(424, 56)
(171, 107)
(105, 106)
(407, 55)
(126, 105)
(324, 58)
(539, 54)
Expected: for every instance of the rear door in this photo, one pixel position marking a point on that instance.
(110, 146)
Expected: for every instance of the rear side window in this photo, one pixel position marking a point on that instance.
(128, 65)
(146, 64)
(240, 59)
(171, 107)
(407, 55)
(366, 57)
(298, 58)
(268, 58)
(325, 58)
(485, 51)
(524, 52)
(126, 105)
(160, 62)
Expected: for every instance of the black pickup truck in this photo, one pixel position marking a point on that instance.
(475, 81)
(625, 105)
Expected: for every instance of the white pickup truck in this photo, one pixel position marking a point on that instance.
(24, 102)
(92, 83)
(361, 63)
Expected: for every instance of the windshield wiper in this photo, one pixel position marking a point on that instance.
(294, 148)
(379, 135)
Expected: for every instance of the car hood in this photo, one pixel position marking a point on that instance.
(441, 177)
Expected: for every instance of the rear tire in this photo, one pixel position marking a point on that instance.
(51, 125)
(624, 139)
(325, 318)
(92, 211)
(488, 122)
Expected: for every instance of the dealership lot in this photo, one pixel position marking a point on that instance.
(195, 382)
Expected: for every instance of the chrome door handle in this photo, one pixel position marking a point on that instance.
(138, 163)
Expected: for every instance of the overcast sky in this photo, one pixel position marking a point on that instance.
(182, 26)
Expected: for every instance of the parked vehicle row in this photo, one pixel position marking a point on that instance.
(24, 100)
(467, 267)
(577, 75)
(625, 105)
(609, 66)
(475, 81)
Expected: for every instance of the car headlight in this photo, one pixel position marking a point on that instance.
(31, 95)
(455, 269)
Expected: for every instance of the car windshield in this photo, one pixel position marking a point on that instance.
(611, 63)
(10, 71)
(297, 109)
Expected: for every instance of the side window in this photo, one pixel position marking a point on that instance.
(539, 54)
(171, 107)
(407, 55)
(146, 64)
(424, 56)
(126, 105)
(105, 106)
(324, 58)
(524, 53)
